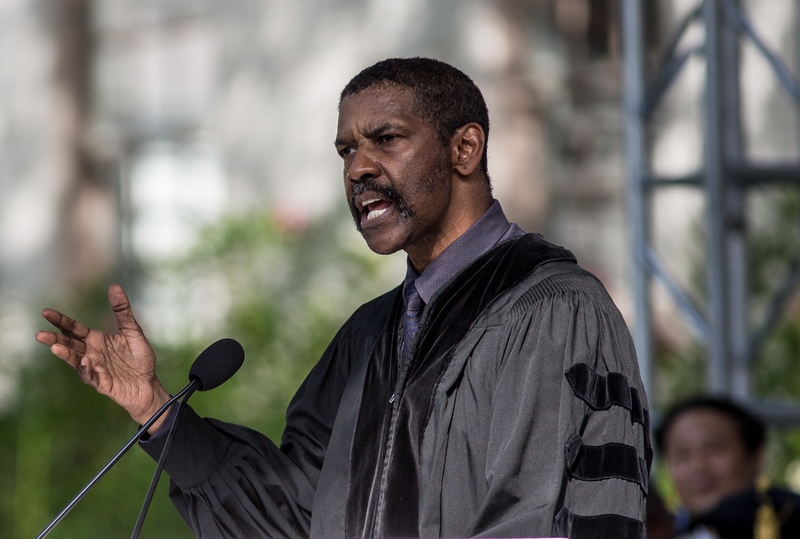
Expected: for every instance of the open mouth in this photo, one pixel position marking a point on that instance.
(372, 203)
(373, 208)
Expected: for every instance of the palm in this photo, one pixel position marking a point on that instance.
(120, 366)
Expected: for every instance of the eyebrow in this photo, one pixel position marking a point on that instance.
(370, 132)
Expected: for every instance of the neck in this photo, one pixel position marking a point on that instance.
(421, 255)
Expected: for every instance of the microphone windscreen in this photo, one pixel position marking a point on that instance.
(217, 363)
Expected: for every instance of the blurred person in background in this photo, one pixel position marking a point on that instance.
(495, 392)
(714, 451)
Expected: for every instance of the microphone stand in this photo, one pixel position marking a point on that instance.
(161, 461)
(194, 384)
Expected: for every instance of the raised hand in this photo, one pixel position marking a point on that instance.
(120, 366)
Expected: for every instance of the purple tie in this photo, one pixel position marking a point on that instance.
(414, 306)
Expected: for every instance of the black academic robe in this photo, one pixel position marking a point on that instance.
(520, 414)
(735, 516)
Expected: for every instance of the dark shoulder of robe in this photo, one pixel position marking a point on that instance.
(521, 414)
(735, 516)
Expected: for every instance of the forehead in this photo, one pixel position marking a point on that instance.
(377, 105)
(699, 426)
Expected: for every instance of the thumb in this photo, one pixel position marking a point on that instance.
(119, 302)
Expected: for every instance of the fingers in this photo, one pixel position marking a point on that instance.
(68, 346)
(122, 309)
(69, 355)
(67, 325)
(49, 338)
(87, 371)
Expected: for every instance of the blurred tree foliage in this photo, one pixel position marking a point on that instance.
(773, 246)
(281, 289)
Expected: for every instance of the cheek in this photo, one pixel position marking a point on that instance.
(730, 473)
(732, 467)
(680, 473)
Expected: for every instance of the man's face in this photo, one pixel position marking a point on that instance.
(707, 458)
(397, 175)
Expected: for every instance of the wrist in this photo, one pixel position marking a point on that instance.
(157, 400)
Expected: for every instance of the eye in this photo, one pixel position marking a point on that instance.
(388, 138)
(346, 151)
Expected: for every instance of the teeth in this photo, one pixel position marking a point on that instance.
(376, 213)
(368, 202)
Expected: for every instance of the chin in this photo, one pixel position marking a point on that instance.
(382, 246)
(382, 249)
(706, 504)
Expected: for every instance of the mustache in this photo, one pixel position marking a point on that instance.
(386, 191)
(390, 193)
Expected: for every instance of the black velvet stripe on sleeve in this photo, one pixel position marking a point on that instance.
(597, 527)
(603, 392)
(607, 461)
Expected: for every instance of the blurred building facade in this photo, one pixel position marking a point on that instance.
(126, 123)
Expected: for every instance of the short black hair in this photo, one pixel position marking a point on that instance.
(751, 428)
(445, 96)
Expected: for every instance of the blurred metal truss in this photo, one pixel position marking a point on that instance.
(724, 178)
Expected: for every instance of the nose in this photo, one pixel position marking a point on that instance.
(362, 166)
(698, 465)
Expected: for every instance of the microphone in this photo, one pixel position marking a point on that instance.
(214, 366)
(208, 375)
(217, 364)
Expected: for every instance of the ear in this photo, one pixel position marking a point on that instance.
(467, 148)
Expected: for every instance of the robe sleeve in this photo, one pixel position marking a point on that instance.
(569, 421)
(229, 481)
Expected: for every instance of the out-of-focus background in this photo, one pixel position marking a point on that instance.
(185, 149)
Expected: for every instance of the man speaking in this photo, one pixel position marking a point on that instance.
(494, 393)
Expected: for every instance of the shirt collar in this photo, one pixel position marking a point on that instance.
(492, 228)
